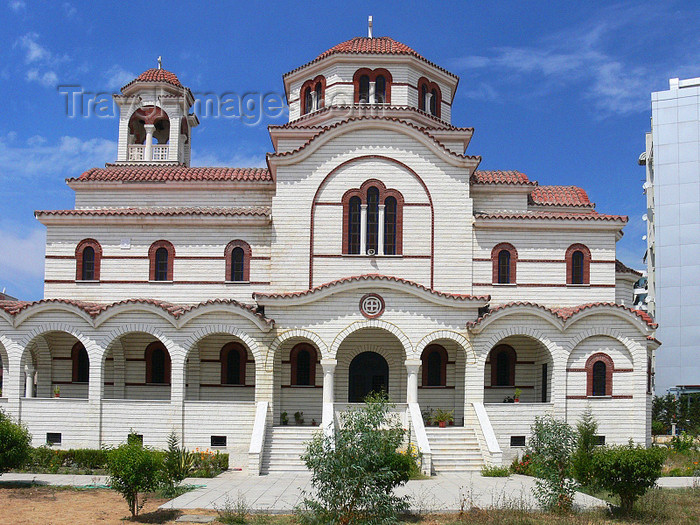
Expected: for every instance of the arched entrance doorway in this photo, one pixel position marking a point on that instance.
(369, 372)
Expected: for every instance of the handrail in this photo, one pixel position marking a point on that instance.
(421, 436)
(257, 439)
(494, 449)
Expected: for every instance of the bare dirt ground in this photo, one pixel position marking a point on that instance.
(58, 506)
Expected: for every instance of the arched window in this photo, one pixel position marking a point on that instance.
(161, 255)
(319, 95)
(372, 219)
(381, 211)
(599, 374)
(429, 97)
(363, 80)
(157, 364)
(364, 89)
(353, 226)
(308, 101)
(504, 259)
(233, 357)
(88, 256)
(81, 363)
(434, 366)
(380, 89)
(390, 216)
(311, 94)
(503, 359)
(578, 264)
(303, 361)
(237, 255)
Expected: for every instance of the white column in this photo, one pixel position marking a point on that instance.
(363, 229)
(428, 98)
(314, 101)
(95, 395)
(328, 366)
(372, 92)
(177, 391)
(148, 153)
(28, 381)
(380, 242)
(412, 367)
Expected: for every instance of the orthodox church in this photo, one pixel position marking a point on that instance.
(246, 308)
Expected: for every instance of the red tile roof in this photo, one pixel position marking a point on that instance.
(500, 177)
(158, 173)
(372, 277)
(621, 268)
(566, 313)
(551, 215)
(95, 309)
(263, 211)
(560, 196)
(156, 75)
(378, 45)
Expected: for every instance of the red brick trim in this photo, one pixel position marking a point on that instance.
(247, 255)
(609, 367)
(148, 356)
(443, 365)
(243, 359)
(388, 159)
(313, 358)
(79, 249)
(586, 263)
(75, 358)
(152, 258)
(512, 360)
(600, 397)
(513, 261)
(372, 74)
(429, 86)
(311, 84)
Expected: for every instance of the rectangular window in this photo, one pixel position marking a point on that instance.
(517, 441)
(53, 438)
(218, 441)
(600, 440)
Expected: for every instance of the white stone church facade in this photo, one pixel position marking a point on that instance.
(370, 254)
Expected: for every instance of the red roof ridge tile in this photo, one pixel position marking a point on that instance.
(372, 277)
(156, 75)
(621, 267)
(174, 173)
(550, 195)
(500, 177)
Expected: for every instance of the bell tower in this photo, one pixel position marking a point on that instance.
(155, 123)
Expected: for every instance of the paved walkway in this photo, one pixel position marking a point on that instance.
(280, 493)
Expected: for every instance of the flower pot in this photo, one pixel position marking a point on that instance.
(442, 424)
(516, 400)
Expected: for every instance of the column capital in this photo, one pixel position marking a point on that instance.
(150, 128)
(328, 362)
(413, 363)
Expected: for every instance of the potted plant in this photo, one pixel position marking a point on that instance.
(57, 391)
(314, 423)
(443, 417)
(516, 395)
(299, 418)
(427, 417)
(285, 419)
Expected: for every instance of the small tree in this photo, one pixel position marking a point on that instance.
(177, 464)
(586, 430)
(134, 469)
(355, 472)
(628, 471)
(15, 443)
(552, 443)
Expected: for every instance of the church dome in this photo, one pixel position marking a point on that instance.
(156, 75)
(378, 45)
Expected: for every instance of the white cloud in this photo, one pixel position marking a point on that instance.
(17, 5)
(34, 52)
(36, 140)
(39, 160)
(47, 79)
(116, 77)
(22, 256)
(69, 10)
(42, 63)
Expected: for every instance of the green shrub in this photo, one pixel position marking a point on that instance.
(628, 471)
(354, 473)
(522, 465)
(177, 463)
(208, 464)
(233, 512)
(15, 443)
(552, 444)
(586, 430)
(494, 471)
(683, 443)
(657, 428)
(134, 469)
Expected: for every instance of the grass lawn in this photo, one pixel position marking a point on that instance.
(22, 504)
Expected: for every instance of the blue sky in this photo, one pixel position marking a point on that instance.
(558, 90)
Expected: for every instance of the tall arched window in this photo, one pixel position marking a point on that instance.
(88, 256)
(372, 219)
(161, 255)
(504, 267)
(353, 227)
(303, 361)
(434, 366)
(599, 374)
(504, 259)
(422, 96)
(364, 79)
(429, 97)
(364, 89)
(319, 95)
(233, 357)
(308, 101)
(433, 101)
(381, 211)
(237, 255)
(380, 89)
(312, 94)
(503, 359)
(81, 363)
(578, 264)
(157, 364)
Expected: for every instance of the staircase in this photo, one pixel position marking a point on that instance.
(454, 449)
(283, 448)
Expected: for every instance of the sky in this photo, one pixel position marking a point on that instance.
(557, 90)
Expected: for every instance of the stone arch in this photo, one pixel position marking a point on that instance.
(636, 351)
(451, 335)
(297, 333)
(91, 346)
(484, 347)
(173, 348)
(208, 330)
(4, 366)
(396, 366)
(371, 323)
